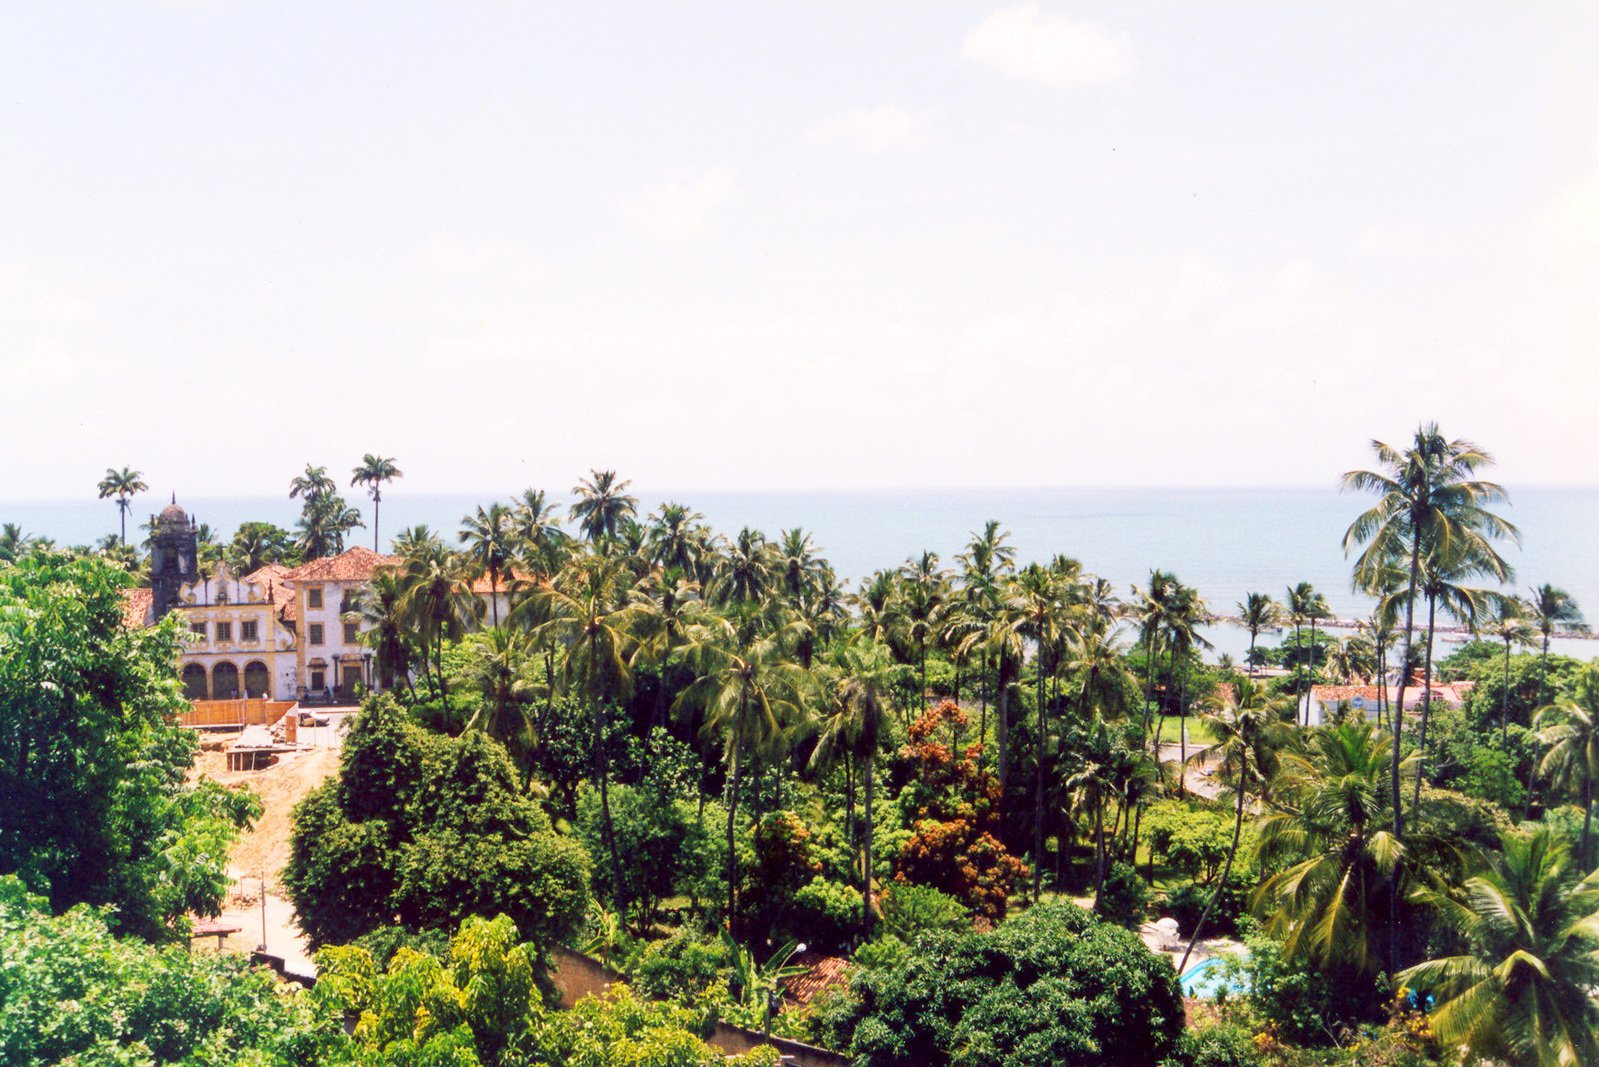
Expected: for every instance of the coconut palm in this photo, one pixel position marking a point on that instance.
(14, 544)
(602, 505)
(372, 473)
(797, 562)
(1304, 605)
(124, 484)
(750, 693)
(324, 522)
(1152, 608)
(496, 668)
(1428, 498)
(1522, 991)
(384, 625)
(1551, 609)
(1335, 864)
(490, 546)
(676, 537)
(1250, 729)
(665, 611)
(583, 610)
(541, 543)
(855, 721)
(1570, 727)
(745, 575)
(313, 483)
(1257, 611)
(919, 606)
(436, 599)
(1508, 622)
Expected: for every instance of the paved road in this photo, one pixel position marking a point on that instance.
(1197, 774)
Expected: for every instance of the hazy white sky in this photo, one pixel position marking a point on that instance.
(775, 246)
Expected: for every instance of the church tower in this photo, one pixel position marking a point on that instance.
(174, 545)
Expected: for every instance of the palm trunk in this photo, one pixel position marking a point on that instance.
(732, 859)
(1504, 700)
(1002, 727)
(1227, 869)
(1182, 734)
(375, 516)
(866, 880)
(1532, 766)
(1310, 683)
(982, 715)
(1426, 710)
(1397, 712)
(1099, 847)
(1038, 787)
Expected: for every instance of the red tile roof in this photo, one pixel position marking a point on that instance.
(136, 607)
(352, 565)
(509, 580)
(1442, 693)
(271, 580)
(825, 971)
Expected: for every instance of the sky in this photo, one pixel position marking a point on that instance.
(795, 246)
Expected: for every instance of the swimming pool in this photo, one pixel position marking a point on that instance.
(1209, 979)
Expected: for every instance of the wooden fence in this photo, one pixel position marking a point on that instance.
(242, 712)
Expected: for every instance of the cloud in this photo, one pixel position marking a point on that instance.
(1026, 43)
(677, 209)
(874, 129)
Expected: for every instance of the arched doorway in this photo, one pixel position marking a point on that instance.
(194, 681)
(257, 679)
(224, 681)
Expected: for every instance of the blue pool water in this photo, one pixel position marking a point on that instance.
(1208, 979)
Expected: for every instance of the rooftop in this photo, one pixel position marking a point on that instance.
(352, 565)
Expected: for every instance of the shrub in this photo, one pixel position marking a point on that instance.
(1124, 897)
(430, 830)
(1186, 901)
(910, 910)
(826, 914)
(681, 967)
(1054, 985)
(651, 831)
(969, 864)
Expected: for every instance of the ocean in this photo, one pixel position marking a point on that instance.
(1224, 542)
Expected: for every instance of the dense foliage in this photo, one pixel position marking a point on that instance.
(95, 808)
(423, 830)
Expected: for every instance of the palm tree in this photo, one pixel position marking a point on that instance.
(543, 544)
(1304, 605)
(324, 522)
(920, 603)
(583, 610)
(1551, 609)
(797, 562)
(14, 544)
(1249, 731)
(665, 610)
(436, 597)
(855, 722)
(1428, 497)
(1337, 862)
(1257, 611)
(123, 484)
(488, 538)
(1508, 624)
(602, 505)
(1570, 727)
(675, 538)
(1521, 992)
(750, 693)
(372, 473)
(1440, 574)
(496, 669)
(746, 570)
(384, 624)
(313, 483)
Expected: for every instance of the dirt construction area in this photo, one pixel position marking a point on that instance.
(261, 852)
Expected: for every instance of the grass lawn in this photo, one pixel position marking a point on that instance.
(1171, 731)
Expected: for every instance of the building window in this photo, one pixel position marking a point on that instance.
(197, 629)
(224, 631)
(316, 633)
(350, 636)
(313, 597)
(250, 631)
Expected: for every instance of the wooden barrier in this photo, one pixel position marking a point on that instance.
(234, 712)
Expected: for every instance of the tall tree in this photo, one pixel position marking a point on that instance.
(1508, 623)
(1257, 611)
(1428, 496)
(373, 471)
(750, 692)
(1551, 609)
(542, 543)
(1335, 865)
(583, 609)
(1249, 729)
(602, 505)
(489, 540)
(123, 484)
(1570, 727)
(854, 724)
(1521, 991)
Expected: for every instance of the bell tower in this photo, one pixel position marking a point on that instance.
(174, 546)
